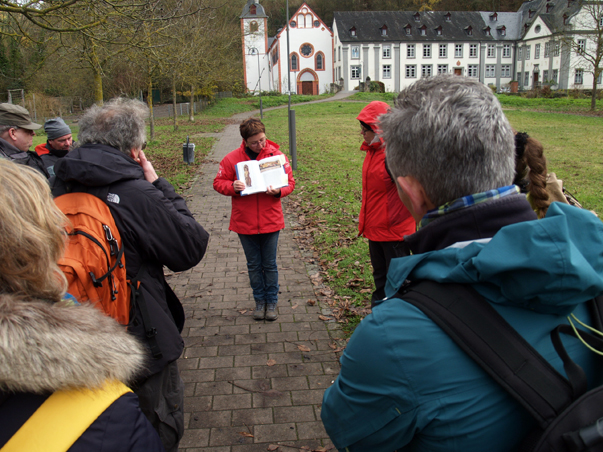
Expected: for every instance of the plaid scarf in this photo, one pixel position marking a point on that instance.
(467, 201)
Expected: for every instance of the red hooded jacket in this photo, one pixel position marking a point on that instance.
(258, 213)
(383, 217)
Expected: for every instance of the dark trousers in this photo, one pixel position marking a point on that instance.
(161, 399)
(381, 254)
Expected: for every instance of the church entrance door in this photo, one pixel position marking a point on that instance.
(307, 88)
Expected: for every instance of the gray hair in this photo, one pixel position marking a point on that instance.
(4, 129)
(450, 134)
(119, 123)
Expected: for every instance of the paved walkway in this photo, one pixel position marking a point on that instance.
(250, 385)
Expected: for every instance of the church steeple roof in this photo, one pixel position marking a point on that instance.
(253, 9)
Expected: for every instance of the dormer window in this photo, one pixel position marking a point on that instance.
(502, 30)
(417, 17)
(469, 30)
(423, 30)
(565, 19)
(353, 31)
(549, 7)
(487, 31)
(447, 17)
(384, 30)
(494, 17)
(439, 31)
(253, 10)
(408, 29)
(530, 13)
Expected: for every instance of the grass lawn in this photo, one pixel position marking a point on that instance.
(328, 191)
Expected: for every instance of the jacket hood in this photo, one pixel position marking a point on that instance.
(548, 266)
(97, 165)
(45, 347)
(371, 113)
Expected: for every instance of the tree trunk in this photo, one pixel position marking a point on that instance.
(98, 78)
(191, 114)
(174, 103)
(150, 104)
(593, 97)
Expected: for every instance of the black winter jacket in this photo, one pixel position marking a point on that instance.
(28, 158)
(156, 228)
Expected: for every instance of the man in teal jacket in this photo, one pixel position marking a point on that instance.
(404, 384)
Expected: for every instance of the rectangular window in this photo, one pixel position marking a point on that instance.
(599, 77)
(519, 53)
(355, 72)
(528, 52)
(387, 71)
(556, 49)
(472, 70)
(387, 51)
(442, 69)
(426, 70)
(410, 50)
(490, 70)
(426, 50)
(491, 51)
(505, 70)
(458, 50)
(519, 77)
(506, 51)
(545, 76)
(355, 52)
(579, 76)
(472, 50)
(526, 78)
(581, 47)
(547, 49)
(411, 71)
(443, 50)
(555, 75)
(537, 51)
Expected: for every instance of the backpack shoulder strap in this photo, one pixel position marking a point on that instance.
(482, 333)
(63, 418)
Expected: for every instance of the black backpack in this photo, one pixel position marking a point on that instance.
(569, 418)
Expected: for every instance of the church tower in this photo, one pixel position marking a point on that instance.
(254, 31)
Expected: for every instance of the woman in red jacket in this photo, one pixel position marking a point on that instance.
(384, 220)
(257, 218)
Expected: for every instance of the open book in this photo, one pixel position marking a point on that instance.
(258, 175)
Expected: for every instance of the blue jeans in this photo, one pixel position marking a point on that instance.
(260, 251)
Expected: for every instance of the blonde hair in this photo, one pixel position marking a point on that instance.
(32, 235)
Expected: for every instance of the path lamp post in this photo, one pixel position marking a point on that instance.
(255, 51)
(291, 113)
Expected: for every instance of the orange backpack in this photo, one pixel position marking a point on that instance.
(94, 261)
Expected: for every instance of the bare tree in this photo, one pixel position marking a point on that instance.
(586, 43)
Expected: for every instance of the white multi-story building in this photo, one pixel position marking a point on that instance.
(310, 52)
(543, 42)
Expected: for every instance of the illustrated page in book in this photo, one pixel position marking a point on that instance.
(258, 175)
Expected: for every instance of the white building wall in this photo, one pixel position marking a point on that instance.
(254, 45)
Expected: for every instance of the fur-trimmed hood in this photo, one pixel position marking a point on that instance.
(45, 347)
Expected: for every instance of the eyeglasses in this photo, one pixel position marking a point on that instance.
(256, 143)
(144, 146)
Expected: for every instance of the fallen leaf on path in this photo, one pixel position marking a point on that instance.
(273, 447)
(247, 434)
(303, 348)
(271, 362)
(322, 317)
(294, 307)
(333, 346)
(311, 302)
(243, 311)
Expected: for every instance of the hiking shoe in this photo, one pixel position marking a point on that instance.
(260, 311)
(271, 311)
